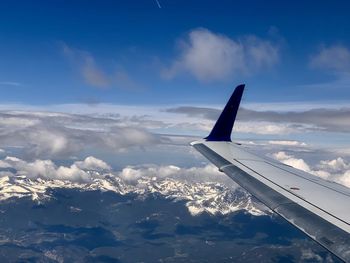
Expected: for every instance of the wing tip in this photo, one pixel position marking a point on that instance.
(223, 127)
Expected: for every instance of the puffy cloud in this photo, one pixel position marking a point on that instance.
(33, 179)
(292, 161)
(91, 168)
(205, 173)
(345, 179)
(4, 164)
(337, 170)
(335, 165)
(281, 156)
(335, 58)
(300, 164)
(48, 142)
(131, 173)
(209, 56)
(92, 163)
(80, 171)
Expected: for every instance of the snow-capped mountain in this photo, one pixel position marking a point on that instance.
(210, 197)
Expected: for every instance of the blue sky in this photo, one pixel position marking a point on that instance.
(129, 84)
(93, 89)
(133, 52)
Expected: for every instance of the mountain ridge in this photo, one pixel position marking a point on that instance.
(200, 197)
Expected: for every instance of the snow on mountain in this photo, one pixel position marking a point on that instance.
(210, 197)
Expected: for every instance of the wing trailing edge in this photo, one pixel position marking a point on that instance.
(317, 207)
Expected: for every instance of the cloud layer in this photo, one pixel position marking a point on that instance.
(39, 138)
(46, 135)
(210, 57)
(275, 122)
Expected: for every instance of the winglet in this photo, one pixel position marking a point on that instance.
(223, 126)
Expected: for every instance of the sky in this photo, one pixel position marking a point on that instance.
(94, 90)
(131, 83)
(173, 52)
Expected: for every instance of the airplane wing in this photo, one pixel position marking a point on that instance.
(317, 207)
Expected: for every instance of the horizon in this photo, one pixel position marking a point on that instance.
(101, 99)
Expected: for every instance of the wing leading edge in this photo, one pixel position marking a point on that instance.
(315, 206)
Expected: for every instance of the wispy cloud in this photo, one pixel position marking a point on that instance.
(87, 66)
(10, 83)
(94, 75)
(158, 4)
(209, 56)
(335, 58)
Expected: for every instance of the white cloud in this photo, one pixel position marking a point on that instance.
(15, 122)
(281, 156)
(335, 58)
(132, 173)
(80, 171)
(92, 163)
(287, 143)
(209, 56)
(337, 170)
(266, 128)
(345, 179)
(292, 161)
(206, 193)
(47, 142)
(323, 174)
(275, 121)
(4, 164)
(334, 165)
(91, 168)
(47, 135)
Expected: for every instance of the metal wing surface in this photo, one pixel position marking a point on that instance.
(317, 207)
